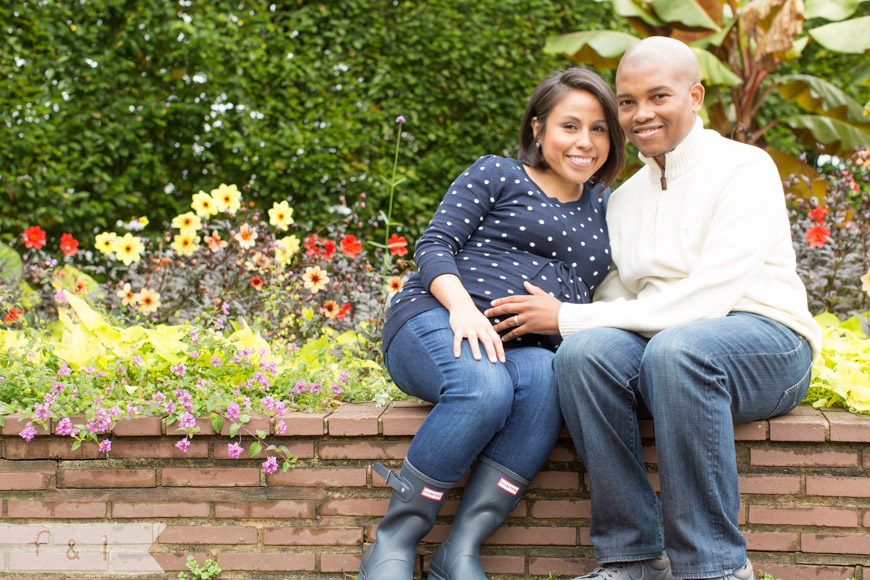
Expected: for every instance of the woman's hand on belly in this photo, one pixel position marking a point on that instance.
(469, 323)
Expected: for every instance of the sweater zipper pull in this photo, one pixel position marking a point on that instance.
(664, 181)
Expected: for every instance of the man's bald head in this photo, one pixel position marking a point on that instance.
(662, 51)
(659, 94)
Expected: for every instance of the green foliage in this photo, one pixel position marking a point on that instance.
(208, 571)
(741, 45)
(123, 108)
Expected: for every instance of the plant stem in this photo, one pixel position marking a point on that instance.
(390, 206)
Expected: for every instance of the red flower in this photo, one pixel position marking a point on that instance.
(69, 245)
(12, 315)
(329, 251)
(343, 312)
(350, 246)
(816, 236)
(818, 214)
(257, 283)
(398, 245)
(312, 245)
(33, 237)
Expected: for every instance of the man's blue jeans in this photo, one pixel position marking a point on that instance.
(695, 381)
(508, 412)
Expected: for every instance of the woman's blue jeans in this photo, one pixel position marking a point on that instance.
(507, 412)
(695, 381)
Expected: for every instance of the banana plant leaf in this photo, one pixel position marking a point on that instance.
(631, 9)
(839, 138)
(689, 13)
(596, 48)
(834, 10)
(848, 36)
(816, 95)
(714, 71)
(810, 182)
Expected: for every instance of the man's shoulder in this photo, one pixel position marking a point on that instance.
(732, 150)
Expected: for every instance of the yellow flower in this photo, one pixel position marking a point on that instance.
(128, 248)
(126, 295)
(187, 222)
(285, 249)
(865, 282)
(148, 300)
(247, 236)
(227, 197)
(106, 242)
(280, 215)
(143, 220)
(204, 205)
(185, 243)
(315, 279)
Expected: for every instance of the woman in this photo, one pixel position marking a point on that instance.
(503, 222)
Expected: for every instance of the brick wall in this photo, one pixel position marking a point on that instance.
(805, 480)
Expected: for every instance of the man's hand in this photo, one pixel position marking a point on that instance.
(536, 313)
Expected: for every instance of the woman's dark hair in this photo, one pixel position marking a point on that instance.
(548, 93)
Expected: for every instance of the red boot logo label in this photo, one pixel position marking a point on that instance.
(432, 494)
(508, 486)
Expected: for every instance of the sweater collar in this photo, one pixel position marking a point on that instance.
(683, 157)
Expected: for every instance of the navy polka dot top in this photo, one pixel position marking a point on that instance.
(495, 229)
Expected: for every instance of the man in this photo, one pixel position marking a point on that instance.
(701, 322)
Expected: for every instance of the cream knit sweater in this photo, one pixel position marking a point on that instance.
(716, 240)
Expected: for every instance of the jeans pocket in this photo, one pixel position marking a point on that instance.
(792, 396)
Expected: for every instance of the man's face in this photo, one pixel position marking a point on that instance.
(656, 107)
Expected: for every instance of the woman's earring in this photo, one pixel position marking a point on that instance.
(538, 144)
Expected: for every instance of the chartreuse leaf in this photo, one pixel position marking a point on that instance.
(689, 13)
(838, 137)
(841, 375)
(167, 343)
(818, 96)
(847, 36)
(831, 9)
(596, 48)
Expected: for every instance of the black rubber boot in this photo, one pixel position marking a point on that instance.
(491, 495)
(416, 501)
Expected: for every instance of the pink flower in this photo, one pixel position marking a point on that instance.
(28, 433)
(281, 428)
(270, 465)
(187, 421)
(184, 444)
(179, 369)
(234, 450)
(105, 446)
(400, 119)
(233, 411)
(64, 427)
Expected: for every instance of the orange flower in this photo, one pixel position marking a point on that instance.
(398, 245)
(329, 251)
(350, 246)
(315, 279)
(257, 283)
(69, 245)
(148, 300)
(214, 241)
(865, 282)
(330, 308)
(394, 284)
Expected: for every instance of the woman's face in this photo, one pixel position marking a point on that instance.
(576, 142)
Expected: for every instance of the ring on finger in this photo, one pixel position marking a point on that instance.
(516, 320)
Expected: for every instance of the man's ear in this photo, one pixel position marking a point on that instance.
(696, 94)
